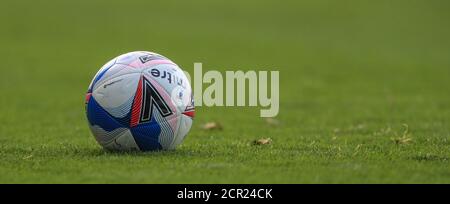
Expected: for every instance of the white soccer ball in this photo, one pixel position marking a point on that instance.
(140, 101)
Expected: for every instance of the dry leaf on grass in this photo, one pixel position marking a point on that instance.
(272, 121)
(357, 148)
(402, 140)
(405, 139)
(212, 126)
(28, 156)
(262, 141)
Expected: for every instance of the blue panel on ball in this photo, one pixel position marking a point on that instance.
(98, 116)
(146, 135)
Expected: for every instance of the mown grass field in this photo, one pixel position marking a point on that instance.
(353, 75)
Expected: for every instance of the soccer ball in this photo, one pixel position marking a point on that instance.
(140, 101)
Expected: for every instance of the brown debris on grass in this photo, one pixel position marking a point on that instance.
(262, 141)
(272, 121)
(357, 148)
(28, 157)
(405, 138)
(402, 140)
(212, 126)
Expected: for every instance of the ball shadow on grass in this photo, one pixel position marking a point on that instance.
(138, 153)
(66, 150)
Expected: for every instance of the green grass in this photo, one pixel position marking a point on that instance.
(351, 73)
